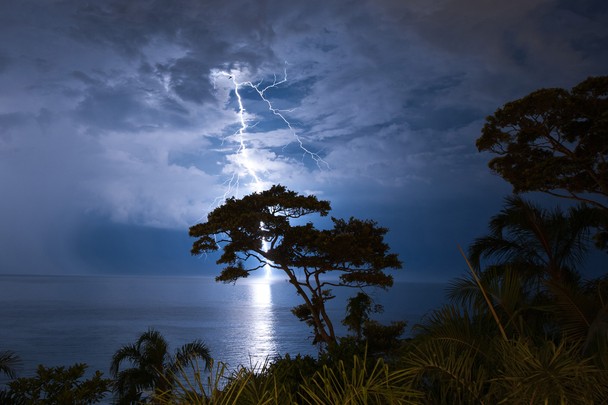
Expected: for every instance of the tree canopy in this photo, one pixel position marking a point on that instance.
(554, 141)
(258, 230)
(58, 385)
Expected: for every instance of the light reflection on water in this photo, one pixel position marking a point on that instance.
(56, 320)
(262, 332)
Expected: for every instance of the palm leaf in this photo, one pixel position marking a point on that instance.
(9, 361)
(455, 328)
(524, 233)
(447, 373)
(190, 351)
(549, 373)
(359, 385)
(582, 316)
(127, 352)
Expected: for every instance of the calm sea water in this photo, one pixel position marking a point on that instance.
(61, 320)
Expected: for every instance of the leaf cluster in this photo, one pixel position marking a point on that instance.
(9, 361)
(242, 226)
(59, 385)
(553, 140)
(265, 229)
(151, 365)
(298, 380)
(249, 221)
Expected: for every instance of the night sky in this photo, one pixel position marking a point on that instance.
(119, 121)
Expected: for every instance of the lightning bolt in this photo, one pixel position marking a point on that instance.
(243, 152)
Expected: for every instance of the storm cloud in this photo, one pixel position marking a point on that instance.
(111, 118)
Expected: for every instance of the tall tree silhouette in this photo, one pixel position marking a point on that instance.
(257, 231)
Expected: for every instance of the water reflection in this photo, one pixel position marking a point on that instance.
(261, 341)
(261, 294)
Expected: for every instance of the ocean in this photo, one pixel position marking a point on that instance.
(62, 320)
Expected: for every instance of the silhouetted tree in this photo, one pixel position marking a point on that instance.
(554, 141)
(257, 231)
(153, 367)
(524, 329)
(542, 243)
(358, 310)
(58, 385)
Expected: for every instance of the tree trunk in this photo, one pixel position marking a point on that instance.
(328, 338)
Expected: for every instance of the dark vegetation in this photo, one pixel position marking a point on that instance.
(522, 325)
(257, 231)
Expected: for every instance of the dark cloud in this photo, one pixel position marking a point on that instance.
(123, 113)
(8, 123)
(110, 108)
(4, 61)
(128, 106)
(126, 26)
(187, 78)
(11, 120)
(86, 79)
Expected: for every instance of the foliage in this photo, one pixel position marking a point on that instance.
(554, 141)
(503, 371)
(9, 361)
(459, 356)
(59, 385)
(152, 364)
(329, 384)
(370, 335)
(383, 340)
(547, 373)
(359, 384)
(446, 373)
(516, 308)
(257, 231)
(580, 313)
(523, 330)
(194, 385)
(292, 372)
(358, 309)
(541, 243)
(535, 286)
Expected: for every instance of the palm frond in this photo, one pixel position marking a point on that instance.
(125, 353)
(130, 383)
(447, 373)
(154, 348)
(464, 291)
(196, 349)
(575, 235)
(549, 373)
(196, 385)
(525, 233)
(9, 361)
(453, 327)
(581, 314)
(152, 367)
(501, 250)
(485, 294)
(359, 385)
